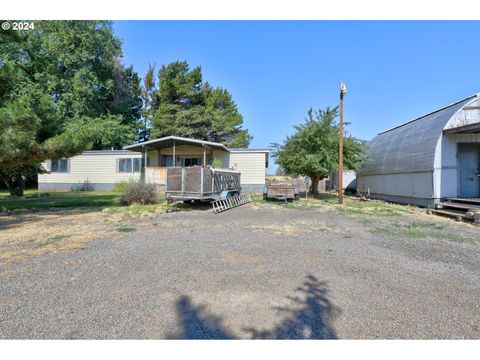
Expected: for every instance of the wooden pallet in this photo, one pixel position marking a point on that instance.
(463, 209)
(457, 215)
(471, 201)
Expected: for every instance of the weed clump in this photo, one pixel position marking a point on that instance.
(139, 193)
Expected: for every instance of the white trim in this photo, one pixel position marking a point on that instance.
(250, 151)
(193, 141)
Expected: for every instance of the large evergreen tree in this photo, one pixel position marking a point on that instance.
(313, 149)
(147, 99)
(184, 105)
(62, 91)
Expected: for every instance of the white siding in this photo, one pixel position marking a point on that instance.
(251, 165)
(96, 168)
(223, 156)
(446, 163)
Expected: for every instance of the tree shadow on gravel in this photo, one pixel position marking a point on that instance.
(309, 316)
(196, 323)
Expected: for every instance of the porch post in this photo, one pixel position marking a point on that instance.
(204, 157)
(174, 159)
(143, 176)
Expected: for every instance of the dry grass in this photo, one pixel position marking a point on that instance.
(351, 205)
(289, 229)
(25, 233)
(38, 233)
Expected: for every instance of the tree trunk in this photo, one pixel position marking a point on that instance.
(15, 185)
(314, 187)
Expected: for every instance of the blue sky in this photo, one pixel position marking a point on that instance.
(276, 70)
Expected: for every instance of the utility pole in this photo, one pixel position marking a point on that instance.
(343, 91)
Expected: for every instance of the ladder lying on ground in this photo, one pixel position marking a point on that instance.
(230, 202)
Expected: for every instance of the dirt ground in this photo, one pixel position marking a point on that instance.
(304, 270)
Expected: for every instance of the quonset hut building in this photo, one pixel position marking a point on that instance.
(428, 159)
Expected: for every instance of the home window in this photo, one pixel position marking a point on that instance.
(137, 165)
(192, 162)
(128, 165)
(167, 160)
(59, 166)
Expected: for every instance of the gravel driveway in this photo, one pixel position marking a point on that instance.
(256, 271)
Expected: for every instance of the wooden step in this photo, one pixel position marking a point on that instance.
(473, 201)
(457, 215)
(459, 206)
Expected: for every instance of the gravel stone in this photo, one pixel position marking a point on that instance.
(250, 272)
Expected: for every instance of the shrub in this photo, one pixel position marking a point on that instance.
(217, 163)
(139, 193)
(85, 186)
(121, 186)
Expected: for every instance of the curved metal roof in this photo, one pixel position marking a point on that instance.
(409, 147)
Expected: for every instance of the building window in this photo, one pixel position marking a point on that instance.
(167, 160)
(128, 165)
(191, 161)
(137, 164)
(59, 166)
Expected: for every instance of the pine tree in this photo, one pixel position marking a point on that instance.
(184, 105)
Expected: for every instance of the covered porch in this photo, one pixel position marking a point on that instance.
(160, 154)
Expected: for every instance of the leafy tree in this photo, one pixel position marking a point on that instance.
(184, 105)
(126, 102)
(313, 149)
(62, 91)
(280, 171)
(14, 177)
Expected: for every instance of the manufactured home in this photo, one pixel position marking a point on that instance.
(428, 159)
(149, 161)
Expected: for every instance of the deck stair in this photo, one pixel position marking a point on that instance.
(459, 209)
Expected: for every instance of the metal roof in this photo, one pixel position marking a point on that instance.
(168, 141)
(249, 150)
(409, 147)
(108, 152)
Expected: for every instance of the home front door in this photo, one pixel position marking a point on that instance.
(469, 170)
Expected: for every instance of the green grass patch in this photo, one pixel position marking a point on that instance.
(418, 230)
(410, 233)
(109, 201)
(37, 200)
(52, 240)
(351, 205)
(158, 208)
(126, 229)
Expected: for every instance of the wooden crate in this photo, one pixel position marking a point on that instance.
(281, 191)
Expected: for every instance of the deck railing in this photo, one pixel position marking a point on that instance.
(156, 175)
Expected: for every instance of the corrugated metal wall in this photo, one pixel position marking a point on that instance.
(412, 163)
